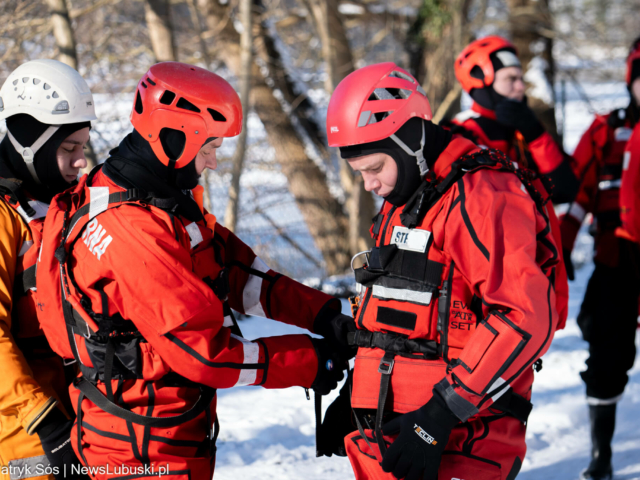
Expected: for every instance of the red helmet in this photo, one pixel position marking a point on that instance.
(477, 54)
(190, 99)
(634, 55)
(384, 89)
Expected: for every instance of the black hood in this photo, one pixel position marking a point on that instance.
(133, 164)
(436, 140)
(26, 131)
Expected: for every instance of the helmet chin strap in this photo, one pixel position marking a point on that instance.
(28, 153)
(419, 154)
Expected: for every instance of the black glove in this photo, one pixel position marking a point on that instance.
(424, 434)
(336, 425)
(518, 115)
(335, 330)
(568, 264)
(330, 367)
(55, 432)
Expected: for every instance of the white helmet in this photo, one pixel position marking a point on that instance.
(51, 92)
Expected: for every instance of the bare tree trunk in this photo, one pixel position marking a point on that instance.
(435, 39)
(158, 16)
(63, 33)
(339, 63)
(323, 214)
(532, 34)
(246, 62)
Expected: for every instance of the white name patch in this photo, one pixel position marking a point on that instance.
(410, 239)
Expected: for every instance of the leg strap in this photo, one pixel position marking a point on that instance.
(385, 369)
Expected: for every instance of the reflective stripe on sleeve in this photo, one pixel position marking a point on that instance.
(252, 289)
(607, 401)
(194, 234)
(251, 356)
(29, 467)
(577, 212)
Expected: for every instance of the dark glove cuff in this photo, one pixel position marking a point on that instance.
(322, 322)
(437, 410)
(51, 423)
(533, 131)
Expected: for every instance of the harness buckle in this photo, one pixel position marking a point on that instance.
(386, 364)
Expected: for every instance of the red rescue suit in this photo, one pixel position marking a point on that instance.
(475, 290)
(541, 155)
(155, 316)
(600, 154)
(630, 190)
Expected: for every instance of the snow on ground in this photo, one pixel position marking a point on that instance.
(269, 434)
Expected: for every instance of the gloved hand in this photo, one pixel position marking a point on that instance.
(424, 433)
(55, 435)
(330, 367)
(335, 331)
(336, 425)
(568, 264)
(518, 115)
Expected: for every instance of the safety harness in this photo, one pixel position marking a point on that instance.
(383, 270)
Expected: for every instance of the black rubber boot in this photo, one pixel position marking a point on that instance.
(603, 423)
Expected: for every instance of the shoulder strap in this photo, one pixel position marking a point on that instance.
(13, 188)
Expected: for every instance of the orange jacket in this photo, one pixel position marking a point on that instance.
(33, 376)
(479, 276)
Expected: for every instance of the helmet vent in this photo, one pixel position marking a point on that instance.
(167, 97)
(404, 76)
(151, 81)
(36, 81)
(55, 95)
(46, 86)
(15, 82)
(25, 79)
(390, 94)
(138, 105)
(143, 84)
(216, 115)
(1, 104)
(187, 105)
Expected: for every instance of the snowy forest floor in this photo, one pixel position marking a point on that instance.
(269, 434)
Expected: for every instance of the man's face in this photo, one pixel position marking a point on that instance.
(206, 157)
(379, 172)
(635, 90)
(508, 83)
(70, 154)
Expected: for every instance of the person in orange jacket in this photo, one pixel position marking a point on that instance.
(490, 72)
(464, 290)
(48, 108)
(609, 311)
(149, 280)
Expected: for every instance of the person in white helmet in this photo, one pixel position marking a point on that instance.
(48, 107)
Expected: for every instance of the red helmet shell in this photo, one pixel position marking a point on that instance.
(187, 98)
(634, 54)
(477, 54)
(379, 88)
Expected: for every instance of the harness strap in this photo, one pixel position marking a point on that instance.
(25, 281)
(392, 343)
(385, 369)
(97, 397)
(13, 187)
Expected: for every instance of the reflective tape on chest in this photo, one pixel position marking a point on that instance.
(414, 240)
